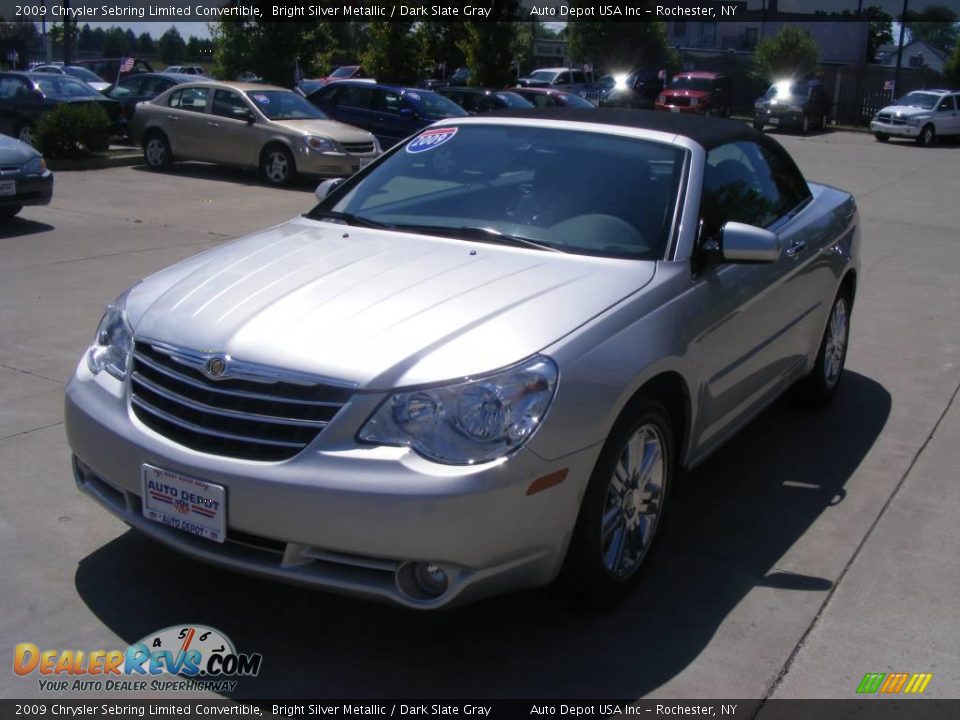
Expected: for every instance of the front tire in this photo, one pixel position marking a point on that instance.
(623, 507)
(9, 211)
(820, 386)
(881, 137)
(277, 165)
(927, 136)
(156, 151)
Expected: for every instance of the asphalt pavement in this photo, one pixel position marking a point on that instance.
(816, 547)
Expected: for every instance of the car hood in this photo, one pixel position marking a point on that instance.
(905, 110)
(332, 129)
(379, 309)
(14, 152)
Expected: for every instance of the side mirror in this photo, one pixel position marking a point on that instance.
(327, 187)
(741, 243)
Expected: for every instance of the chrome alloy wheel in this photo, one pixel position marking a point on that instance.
(634, 502)
(155, 152)
(836, 346)
(277, 167)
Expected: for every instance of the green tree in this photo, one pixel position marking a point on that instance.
(18, 36)
(145, 44)
(491, 45)
(935, 25)
(115, 43)
(439, 42)
(390, 52)
(792, 52)
(951, 70)
(618, 46)
(271, 49)
(172, 47)
(879, 30)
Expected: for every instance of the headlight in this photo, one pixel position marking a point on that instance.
(469, 422)
(114, 341)
(915, 121)
(321, 144)
(35, 166)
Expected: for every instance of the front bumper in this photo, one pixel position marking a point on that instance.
(30, 190)
(340, 516)
(685, 109)
(903, 130)
(329, 164)
(778, 118)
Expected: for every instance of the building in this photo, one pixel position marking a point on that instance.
(916, 54)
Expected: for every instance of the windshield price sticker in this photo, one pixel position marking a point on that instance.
(430, 139)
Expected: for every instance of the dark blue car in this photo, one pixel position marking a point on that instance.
(390, 112)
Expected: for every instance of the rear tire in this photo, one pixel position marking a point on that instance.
(277, 165)
(820, 386)
(623, 508)
(156, 151)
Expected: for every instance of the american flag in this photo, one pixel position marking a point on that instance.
(127, 64)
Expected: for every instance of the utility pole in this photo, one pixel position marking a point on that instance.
(903, 27)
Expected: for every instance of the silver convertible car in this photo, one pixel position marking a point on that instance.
(479, 364)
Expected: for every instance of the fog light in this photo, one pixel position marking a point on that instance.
(430, 578)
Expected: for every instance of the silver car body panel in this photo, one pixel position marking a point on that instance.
(382, 311)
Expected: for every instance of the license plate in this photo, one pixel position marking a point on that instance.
(774, 121)
(8, 187)
(674, 109)
(184, 503)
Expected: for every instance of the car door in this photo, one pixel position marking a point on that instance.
(186, 122)
(755, 318)
(561, 81)
(234, 140)
(128, 92)
(947, 119)
(397, 118)
(353, 105)
(20, 105)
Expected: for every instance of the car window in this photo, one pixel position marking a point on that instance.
(542, 101)
(358, 97)
(229, 104)
(126, 88)
(562, 79)
(738, 185)
(155, 85)
(285, 105)
(791, 185)
(946, 104)
(193, 99)
(579, 78)
(13, 87)
(387, 101)
(517, 180)
(434, 105)
(65, 86)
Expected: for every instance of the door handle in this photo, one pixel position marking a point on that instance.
(172, 117)
(211, 123)
(796, 247)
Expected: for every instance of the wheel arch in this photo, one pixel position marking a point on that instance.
(671, 390)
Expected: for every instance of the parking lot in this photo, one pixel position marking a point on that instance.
(818, 546)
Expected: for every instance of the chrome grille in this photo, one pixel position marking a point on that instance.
(678, 100)
(362, 148)
(251, 412)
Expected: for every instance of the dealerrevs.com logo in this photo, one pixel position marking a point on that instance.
(203, 657)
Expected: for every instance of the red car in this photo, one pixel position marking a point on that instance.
(704, 93)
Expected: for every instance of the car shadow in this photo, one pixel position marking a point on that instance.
(237, 176)
(733, 519)
(20, 226)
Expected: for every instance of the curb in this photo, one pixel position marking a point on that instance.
(95, 163)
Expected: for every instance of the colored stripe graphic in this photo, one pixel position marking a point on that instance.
(894, 683)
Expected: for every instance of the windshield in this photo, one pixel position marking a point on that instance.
(344, 72)
(568, 190)
(682, 82)
(513, 100)
(284, 105)
(924, 101)
(787, 89)
(435, 105)
(83, 74)
(543, 75)
(64, 86)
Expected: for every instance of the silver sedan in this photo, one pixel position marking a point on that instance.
(479, 364)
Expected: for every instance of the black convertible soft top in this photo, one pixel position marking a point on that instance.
(709, 132)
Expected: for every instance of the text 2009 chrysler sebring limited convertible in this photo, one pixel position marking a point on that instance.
(476, 365)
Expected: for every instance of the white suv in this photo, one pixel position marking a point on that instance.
(922, 114)
(559, 78)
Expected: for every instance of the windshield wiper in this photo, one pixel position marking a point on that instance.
(479, 234)
(346, 218)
